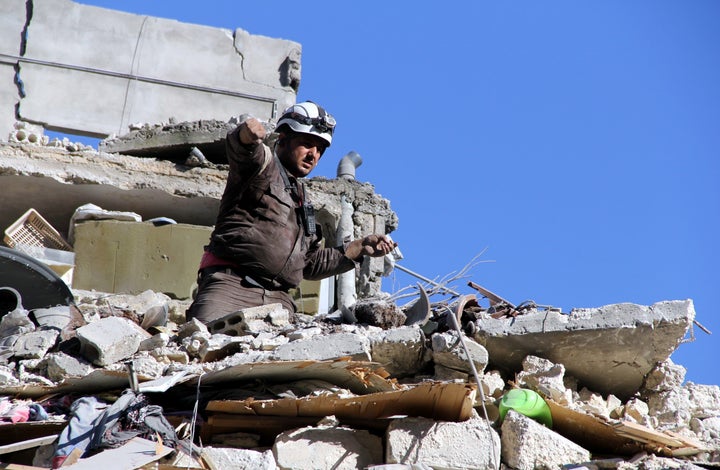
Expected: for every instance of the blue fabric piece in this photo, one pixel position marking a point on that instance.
(80, 429)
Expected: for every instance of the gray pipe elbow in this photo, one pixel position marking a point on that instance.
(348, 164)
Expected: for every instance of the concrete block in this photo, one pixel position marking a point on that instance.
(525, 445)
(218, 458)
(449, 352)
(60, 366)
(35, 344)
(327, 447)
(324, 348)
(110, 339)
(159, 340)
(400, 351)
(253, 320)
(191, 327)
(132, 257)
(546, 377)
(440, 444)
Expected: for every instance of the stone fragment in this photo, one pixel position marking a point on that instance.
(109, 340)
(218, 346)
(324, 348)
(16, 322)
(381, 313)
(148, 367)
(269, 343)
(218, 458)
(440, 444)
(704, 400)
(636, 410)
(60, 366)
(448, 351)
(35, 345)
(190, 328)
(7, 376)
(545, 377)
(159, 340)
(327, 447)
(304, 333)
(664, 377)
(400, 351)
(170, 355)
(493, 384)
(592, 403)
(526, 445)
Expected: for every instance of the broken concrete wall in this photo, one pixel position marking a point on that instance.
(93, 71)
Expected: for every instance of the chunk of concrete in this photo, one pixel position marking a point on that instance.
(449, 352)
(546, 377)
(252, 320)
(401, 351)
(327, 447)
(110, 339)
(35, 345)
(441, 444)
(333, 346)
(219, 458)
(526, 445)
(640, 337)
(61, 366)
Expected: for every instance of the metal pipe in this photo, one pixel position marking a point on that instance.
(429, 281)
(348, 164)
(346, 289)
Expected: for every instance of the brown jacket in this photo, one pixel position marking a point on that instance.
(258, 227)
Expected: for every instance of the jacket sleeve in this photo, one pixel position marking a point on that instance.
(246, 159)
(325, 262)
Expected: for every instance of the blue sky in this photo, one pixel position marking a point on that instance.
(576, 143)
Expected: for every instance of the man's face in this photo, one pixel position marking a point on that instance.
(301, 153)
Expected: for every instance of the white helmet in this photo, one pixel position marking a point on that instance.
(309, 118)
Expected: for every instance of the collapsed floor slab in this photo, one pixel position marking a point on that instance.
(608, 349)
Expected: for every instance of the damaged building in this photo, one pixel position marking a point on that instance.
(100, 367)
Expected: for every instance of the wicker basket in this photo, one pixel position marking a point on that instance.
(33, 230)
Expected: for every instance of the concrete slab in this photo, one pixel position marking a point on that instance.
(622, 341)
(94, 71)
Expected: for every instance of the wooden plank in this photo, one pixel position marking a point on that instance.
(27, 444)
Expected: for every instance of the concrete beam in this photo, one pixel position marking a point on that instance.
(93, 71)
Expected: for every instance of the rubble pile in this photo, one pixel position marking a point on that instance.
(262, 388)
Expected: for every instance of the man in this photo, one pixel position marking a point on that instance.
(265, 239)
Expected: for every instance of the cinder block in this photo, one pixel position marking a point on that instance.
(110, 340)
(132, 257)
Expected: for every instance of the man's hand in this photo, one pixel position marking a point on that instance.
(252, 131)
(372, 245)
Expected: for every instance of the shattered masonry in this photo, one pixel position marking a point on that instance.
(392, 388)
